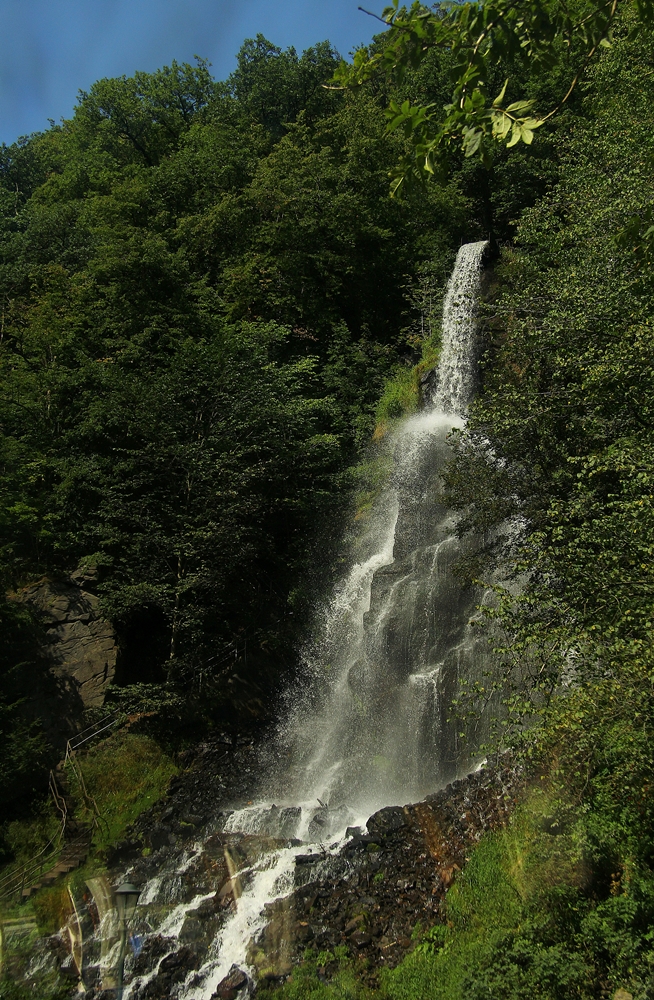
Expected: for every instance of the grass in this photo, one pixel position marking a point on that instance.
(26, 838)
(125, 775)
(537, 914)
(308, 980)
(401, 397)
(50, 988)
(402, 394)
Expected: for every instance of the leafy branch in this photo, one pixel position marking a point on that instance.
(478, 35)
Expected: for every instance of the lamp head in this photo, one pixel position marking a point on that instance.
(127, 896)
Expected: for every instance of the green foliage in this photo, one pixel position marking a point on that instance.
(140, 119)
(560, 439)
(309, 981)
(477, 37)
(24, 749)
(559, 904)
(123, 775)
(274, 86)
(203, 290)
(400, 396)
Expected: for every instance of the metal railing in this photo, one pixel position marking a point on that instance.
(22, 875)
(91, 732)
(72, 746)
(25, 874)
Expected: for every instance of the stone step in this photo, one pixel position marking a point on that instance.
(72, 857)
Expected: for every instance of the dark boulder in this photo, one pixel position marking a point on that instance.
(231, 985)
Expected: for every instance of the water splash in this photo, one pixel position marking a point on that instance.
(371, 726)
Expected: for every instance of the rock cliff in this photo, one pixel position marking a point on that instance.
(79, 654)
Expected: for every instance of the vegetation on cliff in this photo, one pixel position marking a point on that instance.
(204, 287)
(559, 445)
(206, 292)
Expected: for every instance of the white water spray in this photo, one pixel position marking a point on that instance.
(371, 728)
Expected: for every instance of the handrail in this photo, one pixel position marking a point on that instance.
(17, 880)
(59, 799)
(80, 743)
(17, 877)
(89, 801)
(43, 858)
(75, 742)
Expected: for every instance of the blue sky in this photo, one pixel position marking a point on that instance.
(50, 49)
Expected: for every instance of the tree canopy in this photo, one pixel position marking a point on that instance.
(203, 288)
(530, 37)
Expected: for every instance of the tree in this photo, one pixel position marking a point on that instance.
(273, 86)
(478, 36)
(561, 438)
(143, 117)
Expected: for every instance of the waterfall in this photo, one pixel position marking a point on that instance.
(370, 725)
(395, 637)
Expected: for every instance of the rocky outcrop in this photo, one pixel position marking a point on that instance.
(387, 879)
(81, 647)
(370, 896)
(73, 660)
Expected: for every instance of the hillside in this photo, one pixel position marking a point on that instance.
(210, 308)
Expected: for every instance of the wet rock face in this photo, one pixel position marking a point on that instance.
(233, 984)
(392, 877)
(172, 969)
(81, 648)
(387, 878)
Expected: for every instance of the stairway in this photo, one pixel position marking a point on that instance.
(67, 852)
(74, 854)
(77, 836)
(71, 846)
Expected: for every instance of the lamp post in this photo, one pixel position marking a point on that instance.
(127, 896)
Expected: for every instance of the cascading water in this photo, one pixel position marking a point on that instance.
(395, 635)
(370, 726)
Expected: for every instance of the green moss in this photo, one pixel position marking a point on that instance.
(124, 775)
(370, 477)
(400, 398)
